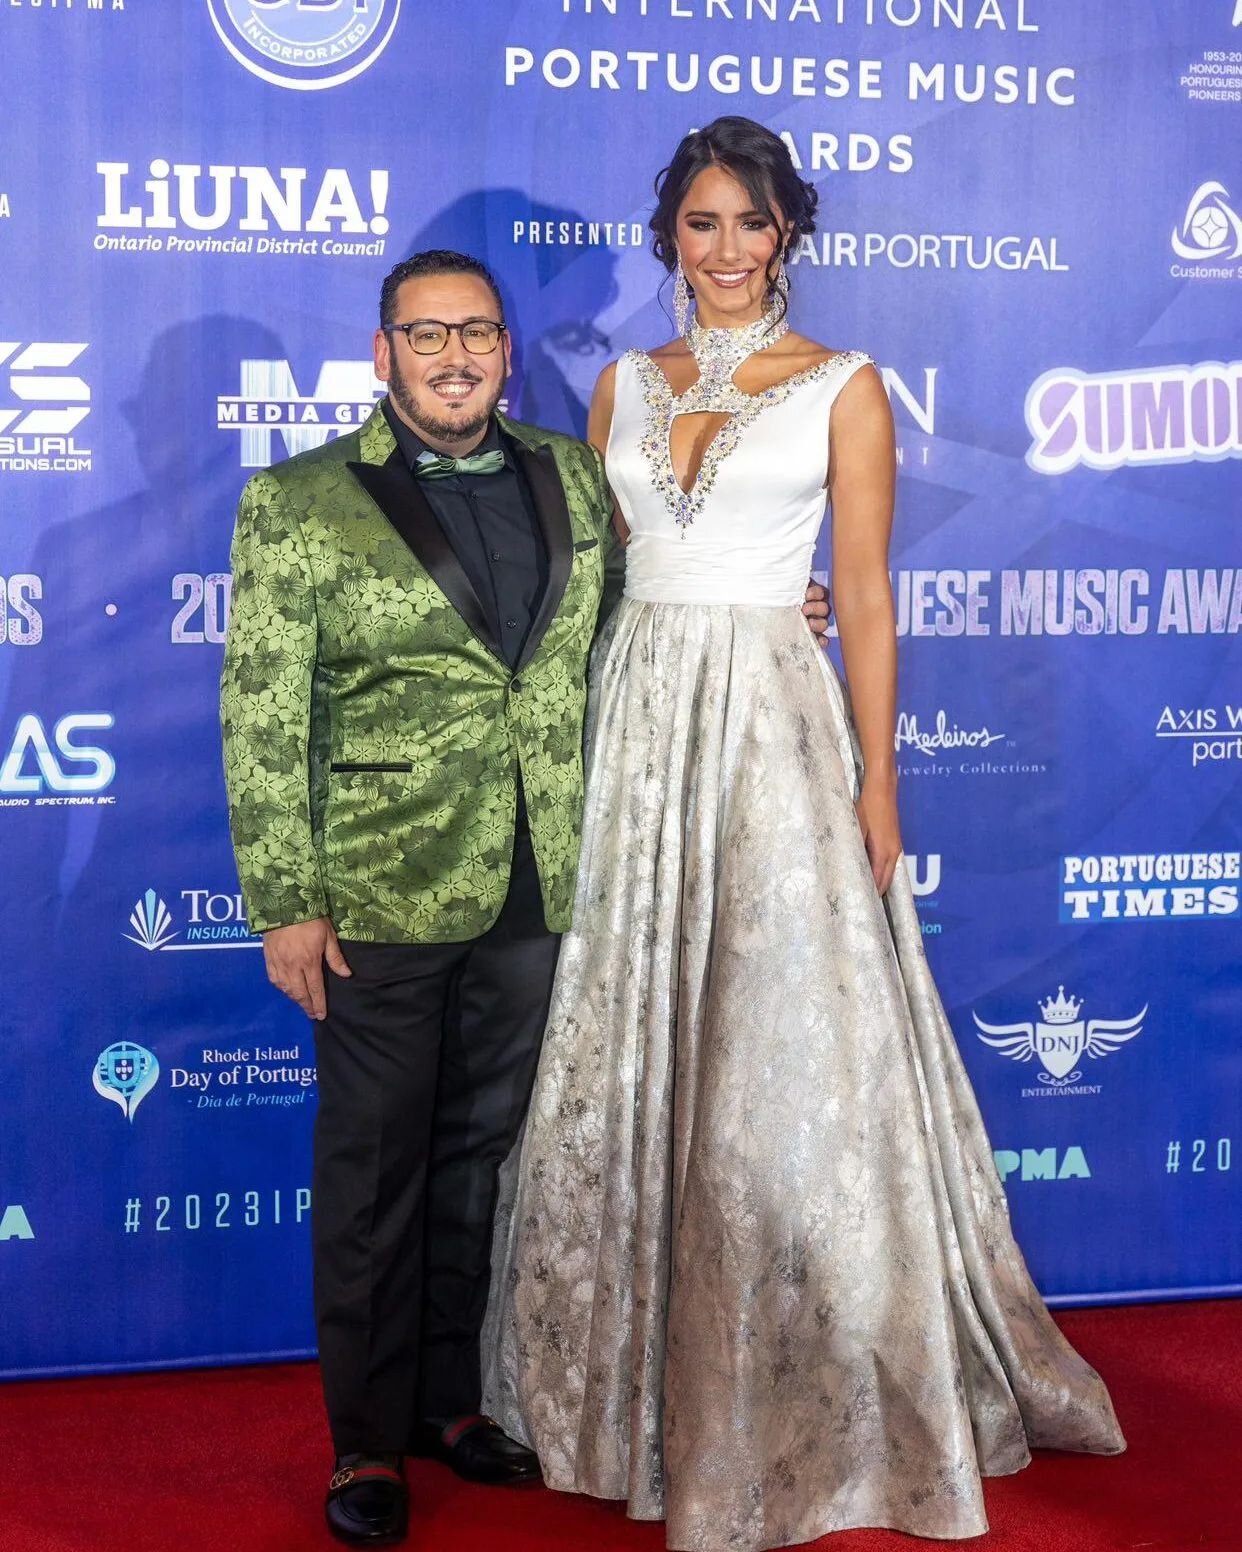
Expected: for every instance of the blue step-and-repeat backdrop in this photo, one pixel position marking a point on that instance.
(1031, 218)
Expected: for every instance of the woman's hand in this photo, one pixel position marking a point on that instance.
(877, 818)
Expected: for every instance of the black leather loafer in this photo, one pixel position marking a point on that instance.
(368, 1503)
(478, 1450)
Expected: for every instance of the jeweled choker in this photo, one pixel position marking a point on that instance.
(719, 352)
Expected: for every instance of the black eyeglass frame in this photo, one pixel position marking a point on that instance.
(449, 330)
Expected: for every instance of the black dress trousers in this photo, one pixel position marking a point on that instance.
(426, 1061)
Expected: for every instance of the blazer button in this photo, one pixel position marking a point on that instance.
(516, 686)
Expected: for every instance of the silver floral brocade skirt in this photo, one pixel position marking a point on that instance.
(754, 1271)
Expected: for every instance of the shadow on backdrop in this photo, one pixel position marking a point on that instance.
(109, 605)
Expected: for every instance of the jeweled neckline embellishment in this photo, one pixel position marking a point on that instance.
(718, 353)
(724, 350)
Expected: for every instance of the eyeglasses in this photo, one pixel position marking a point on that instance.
(428, 336)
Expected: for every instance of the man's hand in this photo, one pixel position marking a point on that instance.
(818, 611)
(295, 959)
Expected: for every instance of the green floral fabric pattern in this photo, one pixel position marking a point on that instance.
(343, 652)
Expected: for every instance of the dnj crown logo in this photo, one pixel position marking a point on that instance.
(1061, 1039)
(306, 45)
(126, 1073)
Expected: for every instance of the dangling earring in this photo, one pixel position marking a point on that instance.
(780, 286)
(681, 298)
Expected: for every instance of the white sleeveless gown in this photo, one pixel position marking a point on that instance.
(754, 1270)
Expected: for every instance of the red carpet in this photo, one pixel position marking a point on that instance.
(234, 1460)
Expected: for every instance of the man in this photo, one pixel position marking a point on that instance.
(402, 703)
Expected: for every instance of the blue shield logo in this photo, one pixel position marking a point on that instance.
(306, 45)
(126, 1073)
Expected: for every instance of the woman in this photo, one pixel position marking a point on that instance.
(759, 1278)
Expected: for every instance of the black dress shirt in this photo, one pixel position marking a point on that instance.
(490, 521)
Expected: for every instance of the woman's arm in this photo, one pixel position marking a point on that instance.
(861, 479)
(599, 424)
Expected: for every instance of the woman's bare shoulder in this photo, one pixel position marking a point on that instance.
(809, 352)
(671, 350)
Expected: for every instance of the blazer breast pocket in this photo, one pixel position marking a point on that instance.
(346, 766)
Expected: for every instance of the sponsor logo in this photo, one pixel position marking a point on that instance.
(269, 404)
(924, 872)
(40, 770)
(46, 403)
(1041, 1164)
(1060, 1040)
(943, 747)
(183, 207)
(928, 250)
(914, 409)
(126, 1073)
(270, 1077)
(1213, 734)
(21, 624)
(933, 740)
(916, 405)
(211, 920)
(273, 1077)
(1164, 414)
(307, 45)
(1209, 237)
(14, 1223)
(1146, 886)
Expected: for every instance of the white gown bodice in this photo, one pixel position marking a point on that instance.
(746, 531)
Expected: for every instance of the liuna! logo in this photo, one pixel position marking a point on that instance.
(1061, 1039)
(306, 45)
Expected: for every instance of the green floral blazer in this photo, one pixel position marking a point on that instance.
(373, 735)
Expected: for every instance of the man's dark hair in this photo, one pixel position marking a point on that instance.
(434, 261)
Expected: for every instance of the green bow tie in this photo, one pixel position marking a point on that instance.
(433, 467)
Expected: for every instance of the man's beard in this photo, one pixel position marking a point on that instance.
(431, 425)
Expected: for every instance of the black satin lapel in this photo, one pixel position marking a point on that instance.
(547, 492)
(396, 493)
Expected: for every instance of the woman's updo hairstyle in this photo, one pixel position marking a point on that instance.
(761, 163)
